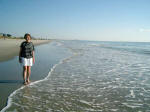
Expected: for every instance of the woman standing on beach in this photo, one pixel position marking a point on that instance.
(26, 57)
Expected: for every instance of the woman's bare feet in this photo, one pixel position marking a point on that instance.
(25, 83)
(28, 81)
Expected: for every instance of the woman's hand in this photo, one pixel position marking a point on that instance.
(33, 60)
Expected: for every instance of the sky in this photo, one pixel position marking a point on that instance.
(100, 20)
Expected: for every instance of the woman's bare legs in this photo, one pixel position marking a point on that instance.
(24, 74)
(28, 73)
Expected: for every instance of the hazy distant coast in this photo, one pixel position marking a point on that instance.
(10, 47)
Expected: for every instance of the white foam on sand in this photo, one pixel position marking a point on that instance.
(9, 101)
(132, 93)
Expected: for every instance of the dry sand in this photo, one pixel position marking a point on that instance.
(10, 47)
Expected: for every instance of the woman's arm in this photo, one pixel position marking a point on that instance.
(20, 55)
(33, 57)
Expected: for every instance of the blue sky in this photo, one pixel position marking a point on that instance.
(103, 20)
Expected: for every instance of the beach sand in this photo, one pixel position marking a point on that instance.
(10, 47)
(11, 71)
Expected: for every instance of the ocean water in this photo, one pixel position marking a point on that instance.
(46, 56)
(96, 77)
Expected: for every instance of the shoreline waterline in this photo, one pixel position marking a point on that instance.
(9, 98)
(92, 77)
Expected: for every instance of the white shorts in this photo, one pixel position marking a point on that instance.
(27, 62)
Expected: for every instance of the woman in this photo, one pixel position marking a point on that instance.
(26, 57)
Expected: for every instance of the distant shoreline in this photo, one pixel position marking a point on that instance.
(9, 48)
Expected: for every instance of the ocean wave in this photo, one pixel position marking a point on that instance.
(9, 101)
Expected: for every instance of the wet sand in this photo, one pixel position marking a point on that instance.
(11, 71)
